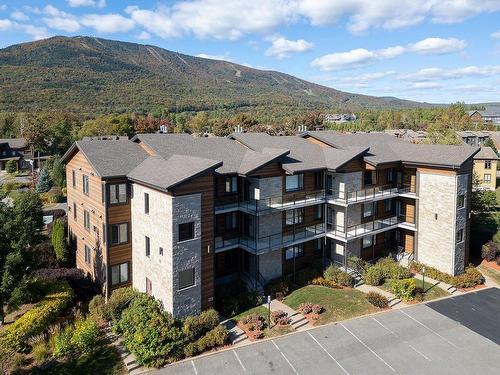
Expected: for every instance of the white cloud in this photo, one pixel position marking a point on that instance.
(390, 52)
(452, 11)
(213, 57)
(19, 16)
(6, 25)
(59, 20)
(281, 47)
(143, 35)
(427, 85)
(86, 3)
(437, 46)
(495, 35)
(107, 23)
(36, 32)
(355, 58)
(433, 74)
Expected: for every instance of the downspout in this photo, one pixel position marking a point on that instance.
(106, 248)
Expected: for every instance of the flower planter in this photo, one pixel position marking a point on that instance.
(251, 334)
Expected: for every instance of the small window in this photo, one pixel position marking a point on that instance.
(148, 246)
(160, 251)
(149, 287)
(461, 201)
(231, 221)
(119, 274)
(119, 233)
(73, 178)
(487, 178)
(294, 251)
(186, 231)
(319, 180)
(87, 255)
(295, 216)
(388, 205)
(232, 184)
(370, 178)
(460, 235)
(74, 211)
(318, 212)
(368, 241)
(86, 220)
(146, 203)
(487, 164)
(390, 175)
(85, 182)
(186, 278)
(117, 193)
(367, 210)
(318, 244)
(294, 182)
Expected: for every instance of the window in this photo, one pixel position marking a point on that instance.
(460, 235)
(318, 212)
(146, 203)
(318, 180)
(370, 178)
(86, 219)
(231, 221)
(390, 175)
(74, 211)
(294, 182)
(368, 241)
(295, 216)
(117, 193)
(160, 251)
(487, 164)
(487, 178)
(294, 251)
(148, 246)
(318, 244)
(149, 286)
(186, 278)
(73, 178)
(232, 184)
(186, 231)
(367, 210)
(119, 274)
(103, 233)
(388, 205)
(85, 180)
(87, 254)
(461, 201)
(119, 233)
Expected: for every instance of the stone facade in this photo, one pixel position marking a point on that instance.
(161, 226)
(461, 223)
(270, 264)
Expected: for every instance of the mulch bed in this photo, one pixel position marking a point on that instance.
(493, 264)
(252, 335)
(472, 288)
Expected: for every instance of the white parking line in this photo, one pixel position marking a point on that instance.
(429, 328)
(326, 351)
(194, 368)
(407, 343)
(239, 361)
(367, 347)
(284, 356)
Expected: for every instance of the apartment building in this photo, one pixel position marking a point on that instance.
(485, 168)
(196, 214)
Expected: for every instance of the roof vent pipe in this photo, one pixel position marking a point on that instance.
(239, 129)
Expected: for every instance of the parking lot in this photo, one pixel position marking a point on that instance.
(458, 335)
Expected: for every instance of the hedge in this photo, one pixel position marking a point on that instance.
(471, 277)
(35, 321)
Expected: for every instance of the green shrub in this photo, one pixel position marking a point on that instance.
(96, 308)
(11, 166)
(490, 251)
(117, 302)
(36, 320)
(358, 265)
(278, 288)
(340, 277)
(62, 345)
(403, 289)
(324, 282)
(196, 326)
(470, 278)
(58, 240)
(392, 269)
(218, 336)
(85, 335)
(433, 273)
(374, 276)
(41, 352)
(377, 299)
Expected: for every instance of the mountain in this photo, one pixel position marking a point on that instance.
(92, 75)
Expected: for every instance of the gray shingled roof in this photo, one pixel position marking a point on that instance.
(486, 153)
(167, 173)
(109, 158)
(14, 142)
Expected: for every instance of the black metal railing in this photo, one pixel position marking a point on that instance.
(363, 228)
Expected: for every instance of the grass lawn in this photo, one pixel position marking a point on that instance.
(431, 291)
(339, 304)
(490, 272)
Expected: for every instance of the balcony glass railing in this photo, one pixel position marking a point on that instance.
(362, 229)
(363, 195)
(274, 241)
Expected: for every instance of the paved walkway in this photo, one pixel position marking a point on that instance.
(394, 302)
(299, 322)
(127, 357)
(236, 334)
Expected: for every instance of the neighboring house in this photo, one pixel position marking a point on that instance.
(485, 168)
(481, 117)
(18, 150)
(340, 117)
(180, 217)
(473, 138)
(408, 135)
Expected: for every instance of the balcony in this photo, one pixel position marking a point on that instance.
(363, 229)
(345, 198)
(272, 242)
(285, 202)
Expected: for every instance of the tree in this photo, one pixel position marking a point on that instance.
(483, 201)
(59, 241)
(36, 133)
(199, 123)
(44, 182)
(11, 166)
(57, 172)
(489, 143)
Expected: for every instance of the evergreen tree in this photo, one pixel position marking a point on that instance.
(57, 172)
(59, 242)
(44, 182)
(11, 166)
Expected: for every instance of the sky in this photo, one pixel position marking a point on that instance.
(438, 51)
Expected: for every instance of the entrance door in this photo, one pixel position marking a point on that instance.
(339, 221)
(337, 252)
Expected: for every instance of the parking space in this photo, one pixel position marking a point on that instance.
(452, 336)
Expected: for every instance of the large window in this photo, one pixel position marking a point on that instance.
(232, 184)
(85, 182)
(319, 180)
(294, 182)
(294, 251)
(487, 164)
(119, 233)
(86, 219)
(295, 216)
(87, 255)
(186, 231)
(148, 246)
(461, 201)
(368, 241)
(231, 221)
(388, 205)
(390, 175)
(318, 244)
(117, 193)
(487, 178)
(146, 203)
(119, 274)
(186, 278)
(318, 212)
(367, 210)
(370, 178)
(460, 235)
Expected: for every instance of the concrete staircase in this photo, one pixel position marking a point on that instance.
(236, 334)
(127, 357)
